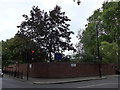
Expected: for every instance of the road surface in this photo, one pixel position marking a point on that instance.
(110, 82)
(0, 83)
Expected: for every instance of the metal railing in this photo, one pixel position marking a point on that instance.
(14, 73)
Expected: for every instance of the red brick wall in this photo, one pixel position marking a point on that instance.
(108, 69)
(39, 70)
(22, 68)
(65, 70)
(62, 69)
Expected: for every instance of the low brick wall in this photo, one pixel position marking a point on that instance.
(64, 69)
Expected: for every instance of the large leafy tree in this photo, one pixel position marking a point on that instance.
(111, 20)
(109, 52)
(22, 48)
(108, 33)
(49, 31)
(7, 52)
(18, 50)
(110, 16)
(88, 38)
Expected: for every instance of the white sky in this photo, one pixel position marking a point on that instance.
(12, 11)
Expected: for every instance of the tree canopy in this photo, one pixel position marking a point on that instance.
(108, 34)
(40, 36)
(19, 50)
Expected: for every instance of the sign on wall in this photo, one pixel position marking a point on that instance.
(58, 56)
(73, 65)
(30, 66)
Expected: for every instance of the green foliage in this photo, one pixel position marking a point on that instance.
(49, 30)
(7, 53)
(108, 34)
(109, 52)
(110, 16)
(42, 33)
(18, 50)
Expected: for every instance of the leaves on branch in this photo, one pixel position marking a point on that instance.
(49, 30)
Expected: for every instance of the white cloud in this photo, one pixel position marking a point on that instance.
(12, 11)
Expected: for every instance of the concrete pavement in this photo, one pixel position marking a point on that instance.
(69, 80)
(43, 81)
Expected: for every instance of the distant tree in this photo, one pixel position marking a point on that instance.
(49, 31)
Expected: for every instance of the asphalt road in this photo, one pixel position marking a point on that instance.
(110, 82)
(0, 83)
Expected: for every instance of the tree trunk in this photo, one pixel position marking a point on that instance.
(50, 57)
